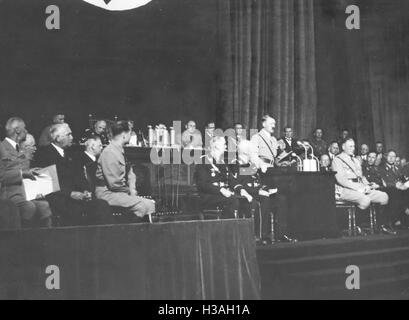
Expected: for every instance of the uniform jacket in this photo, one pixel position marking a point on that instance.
(113, 171)
(195, 139)
(348, 173)
(210, 178)
(389, 176)
(320, 147)
(372, 174)
(267, 145)
(247, 177)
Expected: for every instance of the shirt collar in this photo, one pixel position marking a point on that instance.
(59, 149)
(12, 142)
(91, 156)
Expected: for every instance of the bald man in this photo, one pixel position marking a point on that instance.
(14, 167)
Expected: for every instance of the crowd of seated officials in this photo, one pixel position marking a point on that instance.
(76, 202)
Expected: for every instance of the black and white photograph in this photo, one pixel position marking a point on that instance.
(204, 154)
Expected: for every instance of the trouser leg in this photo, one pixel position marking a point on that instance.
(97, 212)
(280, 211)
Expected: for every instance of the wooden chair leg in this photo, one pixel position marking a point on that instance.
(350, 222)
(353, 220)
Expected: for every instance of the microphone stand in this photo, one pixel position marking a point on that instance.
(299, 161)
(314, 157)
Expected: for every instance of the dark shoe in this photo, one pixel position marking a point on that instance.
(286, 238)
(386, 230)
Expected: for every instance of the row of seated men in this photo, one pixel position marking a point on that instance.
(386, 173)
(390, 194)
(88, 189)
(237, 189)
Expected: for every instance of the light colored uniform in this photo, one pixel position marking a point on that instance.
(350, 182)
(113, 184)
(193, 140)
(267, 146)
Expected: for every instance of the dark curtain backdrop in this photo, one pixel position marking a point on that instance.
(295, 60)
(362, 75)
(268, 62)
(233, 60)
(154, 64)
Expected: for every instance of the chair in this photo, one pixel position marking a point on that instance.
(353, 229)
(351, 209)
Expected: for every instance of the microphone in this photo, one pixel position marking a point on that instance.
(299, 160)
(313, 156)
(299, 143)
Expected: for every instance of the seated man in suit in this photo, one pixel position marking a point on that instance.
(212, 180)
(88, 159)
(74, 200)
(394, 182)
(333, 150)
(352, 186)
(9, 215)
(261, 199)
(13, 169)
(363, 155)
(325, 163)
(45, 137)
(115, 179)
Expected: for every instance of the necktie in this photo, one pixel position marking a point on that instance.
(17, 148)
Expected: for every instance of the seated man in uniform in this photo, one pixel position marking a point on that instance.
(372, 173)
(115, 179)
(191, 137)
(260, 199)
(212, 180)
(74, 200)
(352, 186)
(394, 181)
(318, 143)
(100, 129)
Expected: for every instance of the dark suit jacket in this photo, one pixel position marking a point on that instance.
(11, 166)
(89, 167)
(70, 175)
(293, 147)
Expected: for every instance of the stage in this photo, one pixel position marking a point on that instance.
(196, 260)
(317, 269)
(199, 260)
